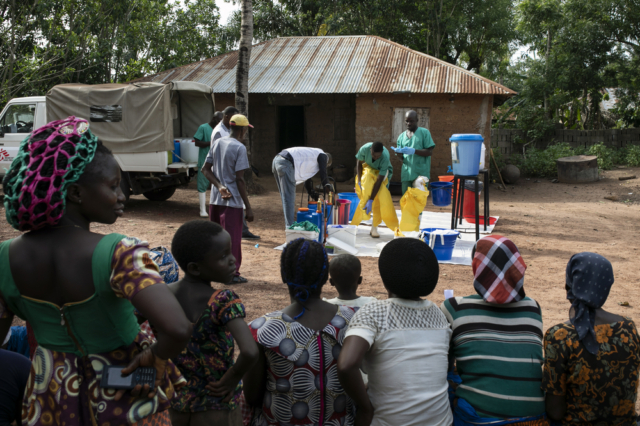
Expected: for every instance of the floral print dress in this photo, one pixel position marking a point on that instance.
(63, 388)
(208, 355)
(297, 393)
(599, 389)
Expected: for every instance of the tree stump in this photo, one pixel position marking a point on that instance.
(578, 169)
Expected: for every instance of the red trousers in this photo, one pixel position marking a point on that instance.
(230, 218)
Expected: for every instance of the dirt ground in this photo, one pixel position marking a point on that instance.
(549, 222)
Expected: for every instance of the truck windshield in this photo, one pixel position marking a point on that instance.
(18, 118)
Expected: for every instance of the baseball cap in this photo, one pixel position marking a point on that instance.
(239, 120)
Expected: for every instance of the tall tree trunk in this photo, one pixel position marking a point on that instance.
(242, 75)
(546, 72)
(244, 57)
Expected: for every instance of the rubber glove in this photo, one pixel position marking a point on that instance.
(360, 185)
(369, 206)
(408, 150)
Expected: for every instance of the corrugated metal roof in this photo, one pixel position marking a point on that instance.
(335, 64)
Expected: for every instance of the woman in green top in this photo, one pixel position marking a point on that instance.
(416, 146)
(76, 288)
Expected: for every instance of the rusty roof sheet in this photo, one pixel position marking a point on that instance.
(335, 64)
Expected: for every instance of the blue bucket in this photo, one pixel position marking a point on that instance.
(176, 152)
(465, 153)
(441, 193)
(443, 245)
(353, 197)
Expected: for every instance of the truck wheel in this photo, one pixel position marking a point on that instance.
(124, 186)
(162, 194)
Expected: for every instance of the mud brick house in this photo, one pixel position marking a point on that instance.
(338, 93)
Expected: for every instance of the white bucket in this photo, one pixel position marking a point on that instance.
(188, 151)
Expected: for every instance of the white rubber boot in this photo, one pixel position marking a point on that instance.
(203, 204)
(374, 232)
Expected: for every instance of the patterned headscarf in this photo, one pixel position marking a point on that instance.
(589, 279)
(48, 161)
(498, 269)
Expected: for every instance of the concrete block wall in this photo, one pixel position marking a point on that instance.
(466, 114)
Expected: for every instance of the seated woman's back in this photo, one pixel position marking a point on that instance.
(591, 362)
(496, 339)
(401, 343)
(498, 354)
(407, 362)
(295, 380)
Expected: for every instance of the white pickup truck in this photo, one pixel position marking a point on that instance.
(138, 122)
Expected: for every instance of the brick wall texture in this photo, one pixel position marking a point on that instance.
(340, 124)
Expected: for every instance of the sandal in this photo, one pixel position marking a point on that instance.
(238, 280)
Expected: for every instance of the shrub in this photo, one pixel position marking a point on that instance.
(606, 156)
(632, 158)
(542, 162)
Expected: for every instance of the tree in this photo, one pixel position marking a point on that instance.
(244, 58)
(49, 42)
(446, 29)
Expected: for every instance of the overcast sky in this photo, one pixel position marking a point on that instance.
(226, 9)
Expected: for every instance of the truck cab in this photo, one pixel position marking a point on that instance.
(140, 129)
(18, 119)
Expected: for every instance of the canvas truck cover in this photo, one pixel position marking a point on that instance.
(193, 105)
(126, 117)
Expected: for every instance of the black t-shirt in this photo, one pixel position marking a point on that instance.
(13, 380)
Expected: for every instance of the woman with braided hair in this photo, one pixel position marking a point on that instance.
(78, 289)
(295, 379)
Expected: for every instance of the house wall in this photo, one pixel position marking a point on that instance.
(329, 125)
(466, 114)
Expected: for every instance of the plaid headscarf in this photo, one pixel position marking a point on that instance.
(498, 269)
(589, 279)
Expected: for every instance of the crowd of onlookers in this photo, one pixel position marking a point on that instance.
(482, 359)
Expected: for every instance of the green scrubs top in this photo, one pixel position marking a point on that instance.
(204, 134)
(414, 166)
(382, 164)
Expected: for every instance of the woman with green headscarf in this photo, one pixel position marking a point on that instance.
(78, 289)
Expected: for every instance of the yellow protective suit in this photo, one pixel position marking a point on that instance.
(412, 204)
(382, 205)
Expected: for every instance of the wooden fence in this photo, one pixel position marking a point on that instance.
(504, 140)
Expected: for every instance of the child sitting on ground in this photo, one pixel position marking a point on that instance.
(402, 343)
(203, 251)
(344, 272)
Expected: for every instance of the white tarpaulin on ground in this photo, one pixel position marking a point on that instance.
(367, 246)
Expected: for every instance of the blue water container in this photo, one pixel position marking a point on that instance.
(441, 193)
(320, 217)
(465, 153)
(176, 152)
(305, 214)
(443, 245)
(353, 197)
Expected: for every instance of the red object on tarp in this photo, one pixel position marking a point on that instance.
(472, 220)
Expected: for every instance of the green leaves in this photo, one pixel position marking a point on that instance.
(49, 42)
